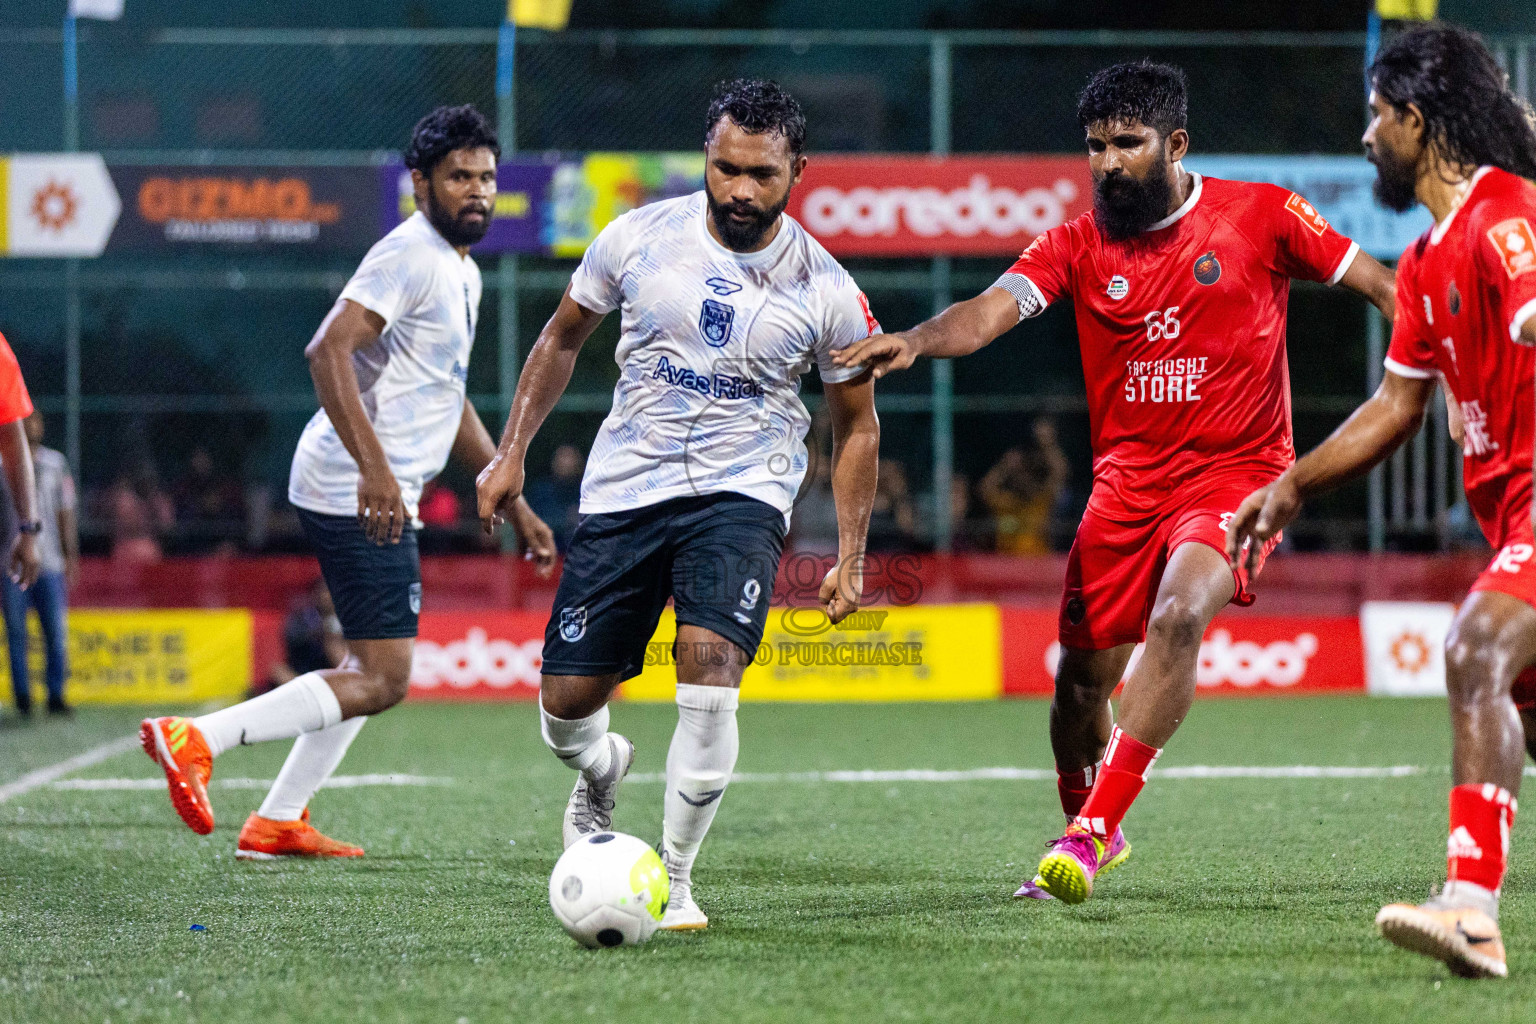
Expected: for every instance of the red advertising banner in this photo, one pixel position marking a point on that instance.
(478, 656)
(1241, 654)
(925, 206)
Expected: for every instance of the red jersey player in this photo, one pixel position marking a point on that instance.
(1179, 285)
(1448, 133)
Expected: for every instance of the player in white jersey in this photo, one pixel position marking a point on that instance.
(389, 363)
(725, 302)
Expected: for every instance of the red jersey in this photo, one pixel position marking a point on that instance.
(1182, 331)
(15, 403)
(1465, 290)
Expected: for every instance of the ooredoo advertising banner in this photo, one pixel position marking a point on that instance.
(924, 206)
(1241, 654)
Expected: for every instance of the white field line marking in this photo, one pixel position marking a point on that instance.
(336, 782)
(42, 776)
(1196, 771)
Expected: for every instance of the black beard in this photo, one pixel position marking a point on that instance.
(1125, 207)
(456, 231)
(738, 236)
(1395, 180)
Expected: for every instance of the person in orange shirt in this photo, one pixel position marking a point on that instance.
(15, 407)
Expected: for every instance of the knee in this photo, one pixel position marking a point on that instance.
(1474, 668)
(560, 701)
(385, 687)
(1176, 625)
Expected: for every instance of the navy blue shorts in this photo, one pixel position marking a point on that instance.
(376, 587)
(715, 555)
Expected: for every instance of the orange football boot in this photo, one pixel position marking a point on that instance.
(1464, 938)
(177, 746)
(265, 839)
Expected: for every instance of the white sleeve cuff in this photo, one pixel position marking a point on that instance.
(1343, 267)
(1411, 372)
(1521, 318)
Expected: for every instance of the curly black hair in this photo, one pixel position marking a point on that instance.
(1155, 95)
(1470, 114)
(758, 106)
(445, 130)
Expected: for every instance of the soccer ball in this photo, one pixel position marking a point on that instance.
(609, 889)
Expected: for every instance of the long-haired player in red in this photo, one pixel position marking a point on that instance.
(1447, 132)
(1179, 284)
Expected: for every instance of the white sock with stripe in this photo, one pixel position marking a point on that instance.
(302, 705)
(699, 766)
(313, 758)
(581, 743)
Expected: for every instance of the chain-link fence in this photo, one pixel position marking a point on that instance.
(191, 380)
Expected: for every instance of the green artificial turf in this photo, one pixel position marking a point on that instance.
(1245, 899)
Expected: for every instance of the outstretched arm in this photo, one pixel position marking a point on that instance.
(958, 331)
(855, 462)
(474, 450)
(1372, 432)
(1369, 278)
(544, 379)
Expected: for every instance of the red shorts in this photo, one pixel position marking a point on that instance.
(1115, 567)
(1513, 571)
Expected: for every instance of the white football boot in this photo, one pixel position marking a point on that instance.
(683, 915)
(590, 808)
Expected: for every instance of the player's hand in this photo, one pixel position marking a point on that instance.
(534, 537)
(880, 353)
(1261, 516)
(381, 507)
(497, 488)
(24, 560)
(842, 588)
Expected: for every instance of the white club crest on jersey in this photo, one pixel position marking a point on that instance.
(1118, 288)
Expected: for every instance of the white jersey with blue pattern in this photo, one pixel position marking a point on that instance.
(712, 348)
(412, 380)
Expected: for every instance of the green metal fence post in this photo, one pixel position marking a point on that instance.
(508, 363)
(943, 381)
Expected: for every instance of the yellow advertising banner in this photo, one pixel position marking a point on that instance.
(908, 653)
(148, 657)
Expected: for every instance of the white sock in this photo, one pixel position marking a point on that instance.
(313, 758)
(302, 705)
(581, 743)
(699, 765)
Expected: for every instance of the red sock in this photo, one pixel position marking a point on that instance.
(1127, 763)
(1074, 787)
(1481, 816)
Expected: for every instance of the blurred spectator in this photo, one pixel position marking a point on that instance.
(58, 548)
(438, 511)
(438, 507)
(312, 638)
(892, 521)
(556, 499)
(139, 512)
(1022, 489)
(969, 532)
(211, 508)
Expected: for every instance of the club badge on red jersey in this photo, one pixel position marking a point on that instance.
(1516, 245)
(1118, 288)
(1208, 268)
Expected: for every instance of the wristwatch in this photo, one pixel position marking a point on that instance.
(34, 527)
